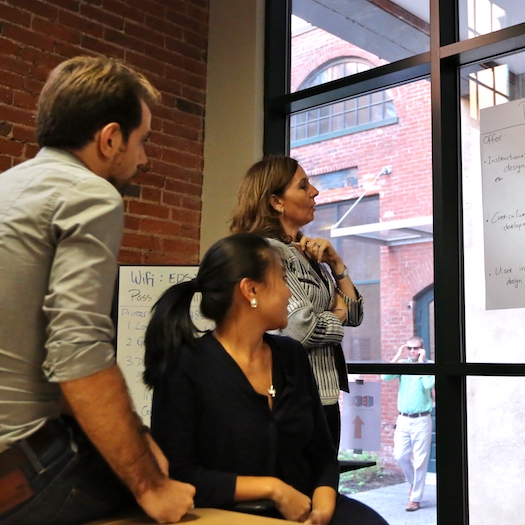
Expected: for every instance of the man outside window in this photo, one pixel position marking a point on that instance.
(66, 419)
(413, 431)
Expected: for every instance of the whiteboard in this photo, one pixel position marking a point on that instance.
(139, 287)
(503, 182)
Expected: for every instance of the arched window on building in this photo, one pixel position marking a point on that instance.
(346, 116)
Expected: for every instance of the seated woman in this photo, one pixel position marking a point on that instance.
(237, 411)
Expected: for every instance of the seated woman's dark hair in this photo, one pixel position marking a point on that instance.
(223, 267)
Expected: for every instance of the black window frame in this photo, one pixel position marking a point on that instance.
(441, 65)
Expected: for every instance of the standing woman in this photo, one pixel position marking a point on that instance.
(276, 200)
(236, 411)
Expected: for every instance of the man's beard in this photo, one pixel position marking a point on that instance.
(121, 185)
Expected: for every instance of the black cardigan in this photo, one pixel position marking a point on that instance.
(213, 426)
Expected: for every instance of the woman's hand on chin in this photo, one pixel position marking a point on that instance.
(320, 250)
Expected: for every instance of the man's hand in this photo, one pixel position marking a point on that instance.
(168, 502)
(102, 406)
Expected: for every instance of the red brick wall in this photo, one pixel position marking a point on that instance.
(167, 41)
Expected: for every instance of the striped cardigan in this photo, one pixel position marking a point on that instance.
(311, 322)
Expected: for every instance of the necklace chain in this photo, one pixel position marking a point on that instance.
(271, 391)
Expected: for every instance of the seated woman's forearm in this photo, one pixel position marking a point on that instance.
(256, 487)
(323, 503)
(291, 503)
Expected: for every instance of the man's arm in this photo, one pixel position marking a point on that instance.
(101, 404)
(399, 354)
(87, 228)
(395, 359)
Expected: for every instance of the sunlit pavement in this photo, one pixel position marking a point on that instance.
(390, 502)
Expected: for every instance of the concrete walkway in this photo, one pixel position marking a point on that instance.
(390, 502)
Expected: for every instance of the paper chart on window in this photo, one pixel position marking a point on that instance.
(503, 183)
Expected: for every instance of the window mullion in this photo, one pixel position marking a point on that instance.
(451, 431)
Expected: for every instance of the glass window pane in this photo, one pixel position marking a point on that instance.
(375, 206)
(313, 114)
(376, 112)
(379, 32)
(325, 111)
(501, 79)
(486, 332)
(369, 416)
(501, 99)
(352, 68)
(338, 71)
(324, 126)
(299, 118)
(363, 101)
(313, 128)
(350, 119)
(495, 448)
(337, 122)
(486, 77)
(376, 97)
(363, 116)
(300, 132)
(350, 104)
(486, 97)
(390, 110)
(327, 118)
(337, 108)
(479, 17)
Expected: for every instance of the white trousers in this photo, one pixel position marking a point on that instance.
(412, 440)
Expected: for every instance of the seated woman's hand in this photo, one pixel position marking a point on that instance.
(323, 506)
(314, 518)
(292, 504)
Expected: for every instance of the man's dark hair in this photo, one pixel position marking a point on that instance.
(84, 94)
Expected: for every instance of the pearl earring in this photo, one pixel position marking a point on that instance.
(254, 303)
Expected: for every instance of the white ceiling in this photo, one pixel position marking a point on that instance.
(420, 8)
(366, 25)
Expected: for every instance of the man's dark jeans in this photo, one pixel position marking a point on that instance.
(72, 484)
